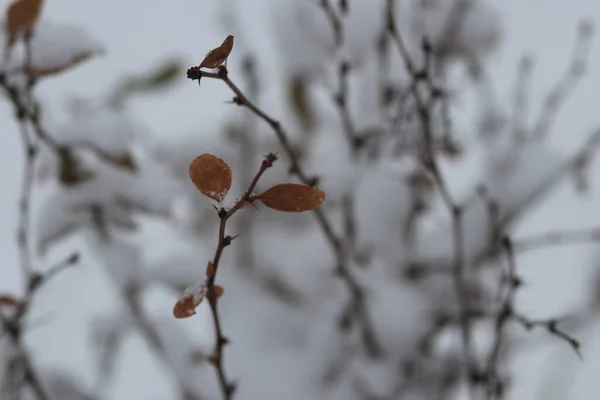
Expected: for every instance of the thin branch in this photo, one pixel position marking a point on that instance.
(573, 75)
(13, 326)
(143, 323)
(551, 326)
(370, 342)
(334, 21)
(522, 92)
(511, 283)
(564, 238)
(429, 161)
(227, 387)
(341, 101)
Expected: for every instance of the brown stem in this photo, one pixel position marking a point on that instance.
(227, 387)
(370, 342)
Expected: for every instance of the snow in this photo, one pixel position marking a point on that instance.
(56, 47)
(121, 260)
(282, 300)
(109, 130)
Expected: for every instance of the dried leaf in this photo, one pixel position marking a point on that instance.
(8, 300)
(298, 97)
(184, 307)
(218, 55)
(21, 16)
(210, 270)
(71, 172)
(292, 197)
(124, 161)
(211, 175)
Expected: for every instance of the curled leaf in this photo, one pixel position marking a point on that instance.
(211, 175)
(21, 16)
(219, 55)
(292, 197)
(188, 301)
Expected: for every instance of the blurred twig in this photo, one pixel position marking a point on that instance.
(428, 159)
(573, 75)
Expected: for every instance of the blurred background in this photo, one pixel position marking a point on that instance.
(103, 328)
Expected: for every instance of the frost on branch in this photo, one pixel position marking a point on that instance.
(110, 131)
(118, 193)
(55, 48)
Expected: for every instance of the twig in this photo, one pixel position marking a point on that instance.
(429, 161)
(557, 238)
(512, 282)
(247, 150)
(370, 342)
(567, 83)
(341, 101)
(143, 323)
(334, 21)
(521, 96)
(227, 387)
(13, 326)
(551, 325)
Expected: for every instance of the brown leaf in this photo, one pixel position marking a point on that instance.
(21, 16)
(124, 161)
(299, 99)
(214, 293)
(70, 171)
(211, 175)
(8, 300)
(219, 55)
(292, 197)
(210, 270)
(186, 306)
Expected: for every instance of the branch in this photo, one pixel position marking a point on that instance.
(428, 159)
(227, 387)
(558, 238)
(354, 288)
(551, 325)
(573, 75)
